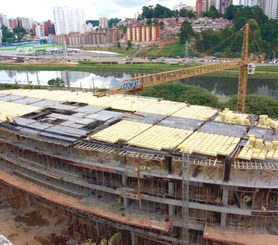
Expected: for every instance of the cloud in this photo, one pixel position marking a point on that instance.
(41, 11)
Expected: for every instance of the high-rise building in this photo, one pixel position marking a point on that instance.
(38, 29)
(204, 5)
(224, 4)
(13, 23)
(271, 9)
(103, 22)
(68, 20)
(25, 23)
(199, 4)
(1, 36)
(250, 3)
(49, 28)
(4, 20)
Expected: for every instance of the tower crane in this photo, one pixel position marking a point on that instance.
(138, 83)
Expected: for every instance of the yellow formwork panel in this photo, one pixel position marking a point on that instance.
(88, 98)
(261, 151)
(123, 130)
(160, 137)
(163, 107)
(131, 103)
(209, 144)
(36, 93)
(232, 117)
(196, 112)
(12, 110)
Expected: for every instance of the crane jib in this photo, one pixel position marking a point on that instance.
(130, 85)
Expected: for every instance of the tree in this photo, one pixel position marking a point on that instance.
(114, 21)
(129, 44)
(7, 36)
(159, 11)
(186, 31)
(56, 82)
(187, 13)
(147, 12)
(231, 11)
(177, 91)
(212, 13)
(93, 22)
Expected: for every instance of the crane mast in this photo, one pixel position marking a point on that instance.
(243, 72)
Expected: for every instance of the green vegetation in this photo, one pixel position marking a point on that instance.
(12, 36)
(92, 22)
(257, 104)
(159, 11)
(56, 82)
(173, 49)
(186, 32)
(113, 21)
(212, 13)
(91, 66)
(264, 32)
(181, 92)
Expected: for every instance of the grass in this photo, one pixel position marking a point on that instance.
(145, 67)
(170, 50)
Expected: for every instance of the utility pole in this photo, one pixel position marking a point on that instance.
(186, 51)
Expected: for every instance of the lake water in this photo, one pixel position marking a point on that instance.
(222, 86)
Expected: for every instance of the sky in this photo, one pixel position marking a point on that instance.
(43, 10)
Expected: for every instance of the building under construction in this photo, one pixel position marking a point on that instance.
(137, 170)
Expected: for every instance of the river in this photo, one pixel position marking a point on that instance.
(220, 86)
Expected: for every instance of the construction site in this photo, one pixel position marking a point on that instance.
(125, 169)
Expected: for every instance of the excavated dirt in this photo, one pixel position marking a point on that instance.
(29, 226)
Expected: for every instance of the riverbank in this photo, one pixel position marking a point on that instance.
(262, 71)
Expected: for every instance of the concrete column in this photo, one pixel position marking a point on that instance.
(97, 229)
(133, 239)
(225, 195)
(171, 193)
(124, 179)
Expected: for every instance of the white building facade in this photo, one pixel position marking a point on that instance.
(103, 22)
(270, 7)
(68, 20)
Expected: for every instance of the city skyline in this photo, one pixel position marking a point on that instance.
(93, 8)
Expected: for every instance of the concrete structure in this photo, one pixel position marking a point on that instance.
(143, 33)
(103, 22)
(100, 37)
(155, 171)
(68, 20)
